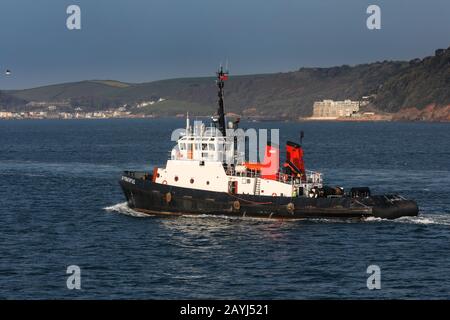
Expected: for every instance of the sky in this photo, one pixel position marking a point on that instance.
(147, 40)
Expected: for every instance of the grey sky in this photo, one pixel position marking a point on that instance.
(144, 40)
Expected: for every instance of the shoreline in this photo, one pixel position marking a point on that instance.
(258, 120)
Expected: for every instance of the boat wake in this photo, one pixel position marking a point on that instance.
(124, 209)
(427, 219)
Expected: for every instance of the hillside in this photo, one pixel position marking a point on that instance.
(397, 85)
(11, 101)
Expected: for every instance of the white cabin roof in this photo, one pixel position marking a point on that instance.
(204, 144)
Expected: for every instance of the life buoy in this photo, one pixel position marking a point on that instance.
(168, 197)
(274, 194)
(236, 205)
(164, 182)
(290, 207)
(285, 177)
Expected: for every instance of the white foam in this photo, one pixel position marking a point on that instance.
(425, 219)
(439, 219)
(123, 208)
(374, 219)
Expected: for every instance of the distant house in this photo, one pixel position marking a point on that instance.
(6, 114)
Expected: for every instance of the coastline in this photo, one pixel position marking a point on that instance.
(249, 119)
(430, 113)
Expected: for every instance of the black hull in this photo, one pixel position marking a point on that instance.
(148, 197)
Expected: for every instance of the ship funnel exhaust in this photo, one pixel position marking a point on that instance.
(294, 164)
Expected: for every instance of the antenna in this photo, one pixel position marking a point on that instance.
(187, 123)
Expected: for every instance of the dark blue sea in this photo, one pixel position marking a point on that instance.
(61, 205)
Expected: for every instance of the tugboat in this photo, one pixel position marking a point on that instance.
(198, 181)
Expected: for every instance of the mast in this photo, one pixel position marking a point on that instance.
(221, 77)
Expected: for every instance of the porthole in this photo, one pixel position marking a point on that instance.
(192, 180)
(207, 183)
(176, 178)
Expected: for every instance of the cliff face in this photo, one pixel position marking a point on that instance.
(429, 113)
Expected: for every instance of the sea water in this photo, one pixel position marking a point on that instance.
(61, 205)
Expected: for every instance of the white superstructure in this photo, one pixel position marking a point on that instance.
(205, 160)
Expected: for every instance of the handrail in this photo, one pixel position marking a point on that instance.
(312, 177)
